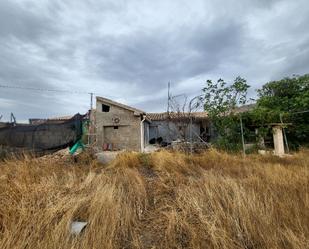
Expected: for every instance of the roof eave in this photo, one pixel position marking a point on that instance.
(136, 112)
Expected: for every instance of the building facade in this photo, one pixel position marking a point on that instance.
(120, 127)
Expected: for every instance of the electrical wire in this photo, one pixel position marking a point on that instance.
(42, 89)
(50, 90)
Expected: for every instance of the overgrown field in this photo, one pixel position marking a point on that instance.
(160, 200)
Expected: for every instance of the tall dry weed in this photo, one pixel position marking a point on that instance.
(159, 200)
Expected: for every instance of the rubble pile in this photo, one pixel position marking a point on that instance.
(184, 146)
(81, 156)
(63, 154)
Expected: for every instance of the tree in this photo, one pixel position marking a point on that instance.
(286, 100)
(288, 94)
(220, 102)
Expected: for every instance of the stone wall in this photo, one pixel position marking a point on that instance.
(119, 127)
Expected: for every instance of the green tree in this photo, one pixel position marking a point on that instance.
(220, 101)
(289, 98)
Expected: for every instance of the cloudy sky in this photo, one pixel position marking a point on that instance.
(129, 50)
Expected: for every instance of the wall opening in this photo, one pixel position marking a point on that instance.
(105, 108)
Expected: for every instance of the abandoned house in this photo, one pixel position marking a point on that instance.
(120, 127)
(116, 126)
(167, 127)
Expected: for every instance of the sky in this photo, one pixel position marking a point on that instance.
(128, 51)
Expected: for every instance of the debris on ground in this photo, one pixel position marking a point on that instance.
(77, 227)
(184, 146)
(58, 155)
(81, 155)
(151, 148)
(106, 156)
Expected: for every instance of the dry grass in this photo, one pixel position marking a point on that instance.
(162, 200)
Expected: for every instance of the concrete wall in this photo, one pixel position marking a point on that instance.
(40, 137)
(171, 130)
(124, 134)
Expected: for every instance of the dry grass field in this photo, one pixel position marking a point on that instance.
(159, 200)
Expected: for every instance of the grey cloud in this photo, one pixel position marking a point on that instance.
(297, 63)
(155, 57)
(153, 105)
(23, 22)
(108, 47)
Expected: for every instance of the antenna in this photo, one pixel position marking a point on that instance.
(168, 96)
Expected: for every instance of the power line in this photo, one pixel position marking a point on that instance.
(43, 89)
(49, 90)
(52, 90)
(92, 94)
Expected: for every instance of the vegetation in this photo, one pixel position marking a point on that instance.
(160, 200)
(220, 101)
(285, 101)
(288, 98)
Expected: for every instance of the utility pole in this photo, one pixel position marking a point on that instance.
(242, 136)
(190, 108)
(284, 135)
(168, 96)
(90, 127)
(91, 100)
